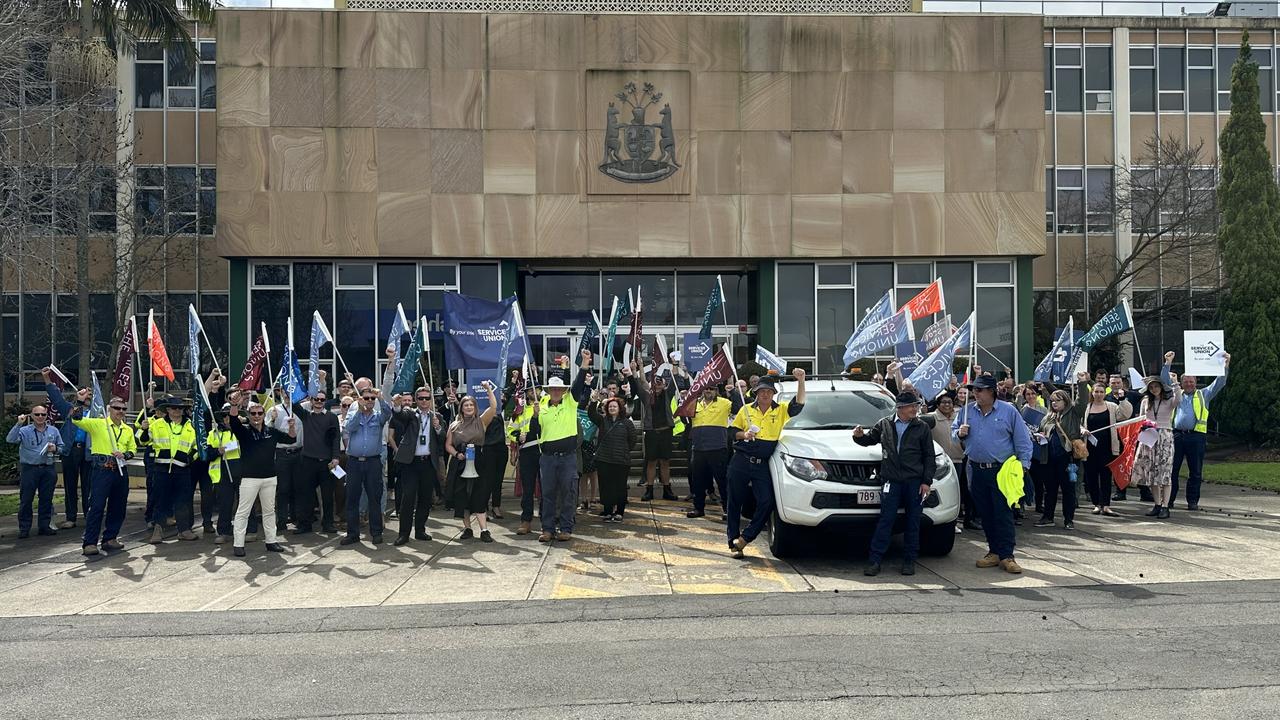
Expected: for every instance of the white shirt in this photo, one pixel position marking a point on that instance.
(423, 447)
(278, 418)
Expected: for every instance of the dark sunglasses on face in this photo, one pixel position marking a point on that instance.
(423, 397)
(256, 412)
(38, 414)
(117, 408)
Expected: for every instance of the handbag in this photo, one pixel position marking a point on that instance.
(1079, 448)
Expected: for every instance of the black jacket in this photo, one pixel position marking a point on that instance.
(405, 425)
(615, 438)
(915, 462)
(257, 448)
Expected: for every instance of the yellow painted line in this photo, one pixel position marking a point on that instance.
(568, 592)
(710, 589)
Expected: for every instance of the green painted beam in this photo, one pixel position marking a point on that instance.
(1024, 317)
(507, 278)
(767, 299)
(238, 305)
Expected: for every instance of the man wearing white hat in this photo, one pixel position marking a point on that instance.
(556, 418)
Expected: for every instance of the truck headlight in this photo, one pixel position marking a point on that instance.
(944, 467)
(804, 468)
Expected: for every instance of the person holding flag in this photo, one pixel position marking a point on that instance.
(709, 446)
(557, 417)
(758, 427)
(258, 447)
(38, 443)
(75, 451)
(288, 390)
(113, 445)
(1101, 417)
(659, 425)
(462, 440)
(173, 445)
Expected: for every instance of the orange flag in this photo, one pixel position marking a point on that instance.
(928, 302)
(1122, 467)
(159, 358)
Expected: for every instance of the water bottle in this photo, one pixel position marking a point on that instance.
(1072, 469)
(471, 453)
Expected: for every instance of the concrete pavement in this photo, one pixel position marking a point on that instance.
(656, 552)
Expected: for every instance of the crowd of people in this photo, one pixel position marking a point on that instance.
(363, 457)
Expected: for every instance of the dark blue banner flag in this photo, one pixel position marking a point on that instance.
(475, 330)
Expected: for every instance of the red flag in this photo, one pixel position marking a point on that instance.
(718, 371)
(1122, 467)
(928, 302)
(251, 376)
(122, 380)
(159, 358)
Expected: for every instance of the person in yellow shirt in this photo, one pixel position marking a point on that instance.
(224, 473)
(173, 443)
(709, 446)
(113, 443)
(758, 427)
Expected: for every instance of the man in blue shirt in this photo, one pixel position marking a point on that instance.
(363, 431)
(991, 432)
(75, 454)
(38, 443)
(1190, 429)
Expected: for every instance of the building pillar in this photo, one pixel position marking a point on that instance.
(238, 313)
(1121, 152)
(767, 300)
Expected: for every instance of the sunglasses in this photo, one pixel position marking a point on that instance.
(256, 412)
(118, 408)
(39, 414)
(367, 398)
(424, 397)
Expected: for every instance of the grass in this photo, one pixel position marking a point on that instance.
(1256, 475)
(9, 503)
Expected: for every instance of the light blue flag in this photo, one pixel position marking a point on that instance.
(881, 311)
(97, 408)
(933, 375)
(771, 362)
(290, 377)
(408, 375)
(896, 329)
(1056, 367)
(317, 339)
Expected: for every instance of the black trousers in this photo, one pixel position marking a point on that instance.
(208, 495)
(311, 474)
(286, 471)
(415, 483)
(706, 466)
(613, 486)
(491, 463)
(75, 481)
(530, 466)
(1054, 477)
(1097, 478)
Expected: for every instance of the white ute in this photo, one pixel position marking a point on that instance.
(823, 480)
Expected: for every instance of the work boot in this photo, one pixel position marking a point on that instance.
(564, 536)
(222, 540)
(989, 560)
(648, 494)
(88, 550)
(1011, 566)
(186, 535)
(157, 535)
(545, 537)
(667, 494)
(872, 569)
(523, 529)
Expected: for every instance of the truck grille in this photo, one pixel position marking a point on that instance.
(852, 473)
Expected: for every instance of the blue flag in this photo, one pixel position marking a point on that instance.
(97, 408)
(590, 337)
(1116, 321)
(910, 354)
(474, 331)
(884, 334)
(714, 302)
(934, 374)
(771, 362)
(193, 348)
(1056, 367)
(881, 311)
(406, 378)
(290, 376)
(317, 339)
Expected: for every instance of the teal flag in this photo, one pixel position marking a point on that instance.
(714, 302)
(405, 381)
(619, 312)
(1117, 320)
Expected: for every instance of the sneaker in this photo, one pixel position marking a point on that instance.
(648, 494)
(740, 543)
(274, 547)
(66, 524)
(908, 567)
(113, 544)
(737, 554)
(88, 550)
(1107, 511)
(1010, 566)
(667, 494)
(959, 529)
(208, 528)
(523, 529)
(486, 536)
(617, 518)
(157, 535)
(564, 536)
(348, 540)
(1044, 522)
(186, 535)
(222, 540)
(989, 560)
(545, 537)
(872, 569)
(1097, 510)
(466, 534)
(1068, 525)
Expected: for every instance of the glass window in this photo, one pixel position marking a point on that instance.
(695, 287)
(440, 275)
(995, 326)
(957, 289)
(208, 211)
(1142, 93)
(208, 86)
(994, 273)
(1048, 200)
(180, 189)
(213, 303)
(1226, 58)
(1097, 68)
(312, 291)
(1099, 198)
(1145, 57)
(835, 324)
(915, 273)
(561, 298)
(182, 71)
(397, 284)
(841, 274)
(873, 281)
(796, 309)
(271, 275)
(658, 289)
(150, 51)
(272, 307)
(1171, 68)
(149, 211)
(182, 97)
(354, 327)
(1266, 96)
(355, 275)
(1048, 78)
(149, 85)
(1067, 90)
(1200, 93)
(176, 326)
(208, 51)
(1070, 189)
(480, 280)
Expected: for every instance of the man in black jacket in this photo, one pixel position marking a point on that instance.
(419, 455)
(321, 438)
(907, 472)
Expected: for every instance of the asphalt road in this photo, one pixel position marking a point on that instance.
(1204, 649)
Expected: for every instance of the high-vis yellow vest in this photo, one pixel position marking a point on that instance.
(104, 436)
(217, 439)
(521, 424)
(679, 427)
(558, 422)
(174, 444)
(1201, 410)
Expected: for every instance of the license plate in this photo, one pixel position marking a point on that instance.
(868, 497)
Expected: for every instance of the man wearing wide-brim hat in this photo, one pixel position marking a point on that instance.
(557, 417)
(173, 438)
(991, 432)
(907, 471)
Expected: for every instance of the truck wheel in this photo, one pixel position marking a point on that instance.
(785, 540)
(938, 540)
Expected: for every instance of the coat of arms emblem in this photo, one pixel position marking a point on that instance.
(639, 138)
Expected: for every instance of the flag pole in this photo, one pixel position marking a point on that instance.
(205, 335)
(137, 358)
(151, 370)
(724, 314)
(1133, 327)
(266, 346)
(426, 343)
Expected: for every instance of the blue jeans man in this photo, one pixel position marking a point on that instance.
(748, 477)
(559, 476)
(1188, 445)
(364, 474)
(904, 496)
(993, 508)
(36, 479)
(107, 498)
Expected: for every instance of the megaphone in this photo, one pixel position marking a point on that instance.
(469, 471)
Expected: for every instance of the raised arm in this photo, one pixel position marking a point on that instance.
(487, 416)
(796, 405)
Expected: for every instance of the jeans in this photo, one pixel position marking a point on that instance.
(36, 479)
(613, 486)
(748, 478)
(530, 467)
(364, 474)
(1054, 476)
(707, 466)
(1188, 445)
(559, 477)
(382, 475)
(286, 469)
(148, 463)
(993, 508)
(907, 497)
(107, 498)
(415, 483)
(75, 481)
(263, 490)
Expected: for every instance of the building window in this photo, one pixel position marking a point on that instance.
(180, 79)
(996, 337)
(796, 302)
(1172, 78)
(1070, 198)
(1067, 72)
(1227, 57)
(175, 200)
(181, 197)
(1048, 78)
(1200, 91)
(1097, 78)
(1099, 199)
(208, 75)
(148, 76)
(835, 315)
(1142, 79)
